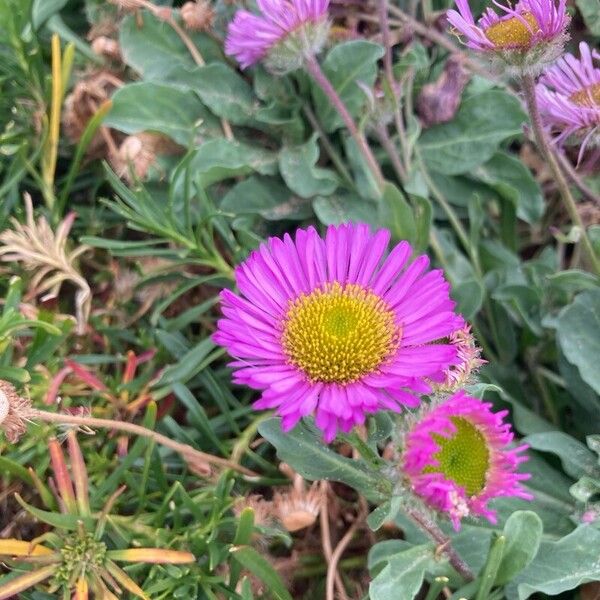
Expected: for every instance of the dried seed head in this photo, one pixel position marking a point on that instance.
(198, 15)
(14, 412)
(139, 153)
(105, 46)
(263, 509)
(88, 94)
(297, 508)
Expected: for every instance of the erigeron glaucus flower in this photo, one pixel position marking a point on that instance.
(527, 36)
(285, 32)
(568, 95)
(332, 327)
(458, 457)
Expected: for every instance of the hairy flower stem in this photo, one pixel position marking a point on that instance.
(320, 78)
(541, 140)
(400, 167)
(187, 452)
(445, 544)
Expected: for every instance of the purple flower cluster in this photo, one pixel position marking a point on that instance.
(337, 328)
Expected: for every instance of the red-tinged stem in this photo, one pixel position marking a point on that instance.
(437, 535)
(190, 454)
(323, 82)
(543, 145)
(400, 167)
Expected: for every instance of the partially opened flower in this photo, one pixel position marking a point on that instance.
(527, 36)
(569, 98)
(331, 327)
(458, 457)
(285, 32)
(457, 375)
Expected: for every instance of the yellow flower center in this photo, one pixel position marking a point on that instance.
(338, 334)
(589, 96)
(513, 33)
(464, 457)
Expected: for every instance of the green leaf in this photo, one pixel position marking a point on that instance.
(578, 334)
(147, 106)
(188, 365)
(590, 11)
(221, 159)
(396, 214)
(69, 522)
(344, 208)
(473, 136)
(423, 213)
(585, 488)
(561, 566)
(220, 88)
(490, 569)
(523, 533)
(577, 460)
(267, 197)
(345, 66)
(42, 10)
(403, 576)
(514, 181)
(260, 567)
(303, 450)
(297, 167)
(152, 47)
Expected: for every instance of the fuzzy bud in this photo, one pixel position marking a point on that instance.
(105, 46)
(198, 15)
(439, 100)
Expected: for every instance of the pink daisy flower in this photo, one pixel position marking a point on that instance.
(457, 458)
(527, 36)
(568, 95)
(282, 35)
(333, 328)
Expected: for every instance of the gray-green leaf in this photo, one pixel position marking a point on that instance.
(578, 334)
(473, 136)
(346, 65)
(403, 576)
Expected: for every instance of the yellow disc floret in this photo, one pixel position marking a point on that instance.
(338, 334)
(513, 32)
(464, 456)
(589, 96)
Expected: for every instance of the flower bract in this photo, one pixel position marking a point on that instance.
(333, 327)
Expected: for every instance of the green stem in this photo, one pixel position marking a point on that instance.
(329, 148)
(543, 145)
(401, 167)
(315, 71)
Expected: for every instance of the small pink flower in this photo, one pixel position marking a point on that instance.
(333, 327)
(457, 458)
(569, 98)
(281, 35)
(528, 35)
